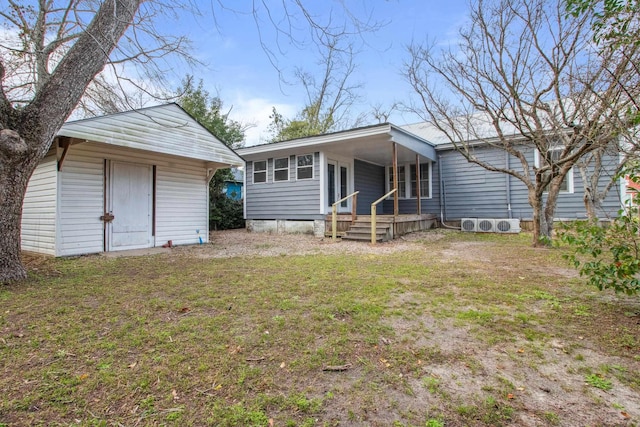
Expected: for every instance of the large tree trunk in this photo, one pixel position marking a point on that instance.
(26, 133)
(536, 205)
(17, 163)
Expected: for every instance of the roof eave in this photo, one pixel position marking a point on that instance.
(317, 140)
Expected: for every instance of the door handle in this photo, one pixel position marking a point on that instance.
(107, 217)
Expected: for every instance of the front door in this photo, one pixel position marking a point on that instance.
(130, 197)
(338, 185)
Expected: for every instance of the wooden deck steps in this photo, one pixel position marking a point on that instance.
(361, 230)
(387, 226)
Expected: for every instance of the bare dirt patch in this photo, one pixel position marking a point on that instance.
(235, 243)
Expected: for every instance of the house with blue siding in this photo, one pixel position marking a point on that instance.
(232, 187)
(291, 186)
(471, 191)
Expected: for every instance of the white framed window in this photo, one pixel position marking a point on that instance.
(281, 169)
(407, 186)
(567, 183)
(304, 168)
(259, 171)
(425, 180)
(402, 181)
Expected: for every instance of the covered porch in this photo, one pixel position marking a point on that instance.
(388, 172)
(373, 161)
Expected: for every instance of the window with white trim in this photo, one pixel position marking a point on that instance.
(425, 180)
(305, 167)
(281, 169)
(260, 171)
(407, 180)
(402, 181)
(567, 183)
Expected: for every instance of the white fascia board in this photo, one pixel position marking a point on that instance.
(314, 141)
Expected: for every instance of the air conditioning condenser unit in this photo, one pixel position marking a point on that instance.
(490, 225)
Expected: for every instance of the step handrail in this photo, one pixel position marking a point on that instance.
(374, 207)
(334, 212)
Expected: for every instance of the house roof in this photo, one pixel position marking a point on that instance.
(479, 127)
(166, 129)
(370, 143)
(472, 128)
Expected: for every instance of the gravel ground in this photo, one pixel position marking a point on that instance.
(231, 243)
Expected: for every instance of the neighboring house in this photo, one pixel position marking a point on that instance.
(291, 185)
(137, 179)
(232, 188)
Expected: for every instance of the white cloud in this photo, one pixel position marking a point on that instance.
(256, 111)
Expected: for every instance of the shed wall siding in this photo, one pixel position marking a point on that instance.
(39, 209)
(294, 199)
(181, 204)
(81, 202)
(181, 197)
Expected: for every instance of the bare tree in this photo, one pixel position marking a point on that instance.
(59, 50)
(329, 97)
(381, 113)
(615, 25)
(524, 78)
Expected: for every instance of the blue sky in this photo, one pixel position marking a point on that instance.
(238, 69)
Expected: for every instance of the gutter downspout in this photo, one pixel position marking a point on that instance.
(508, 184)
(443, 201)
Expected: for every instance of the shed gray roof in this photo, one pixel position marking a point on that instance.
(166, 129)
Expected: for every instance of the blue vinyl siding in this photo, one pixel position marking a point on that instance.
(471, 191)
(293, 199)
(369, 181)
(429, 205)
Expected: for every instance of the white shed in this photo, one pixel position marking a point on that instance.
(130, 180)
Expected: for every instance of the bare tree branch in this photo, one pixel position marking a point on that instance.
(524, 77)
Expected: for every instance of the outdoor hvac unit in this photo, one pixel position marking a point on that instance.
(507, 225)
(469, 224)
(486, 225)
(490, 225)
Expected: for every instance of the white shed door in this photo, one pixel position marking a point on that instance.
(130, 203)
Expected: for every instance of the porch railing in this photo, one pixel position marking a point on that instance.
(334, 212)
(374, 207)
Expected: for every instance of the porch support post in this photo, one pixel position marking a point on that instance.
(418, 190)
(395, 179)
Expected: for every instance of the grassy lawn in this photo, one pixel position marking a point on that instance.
(467, 329)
